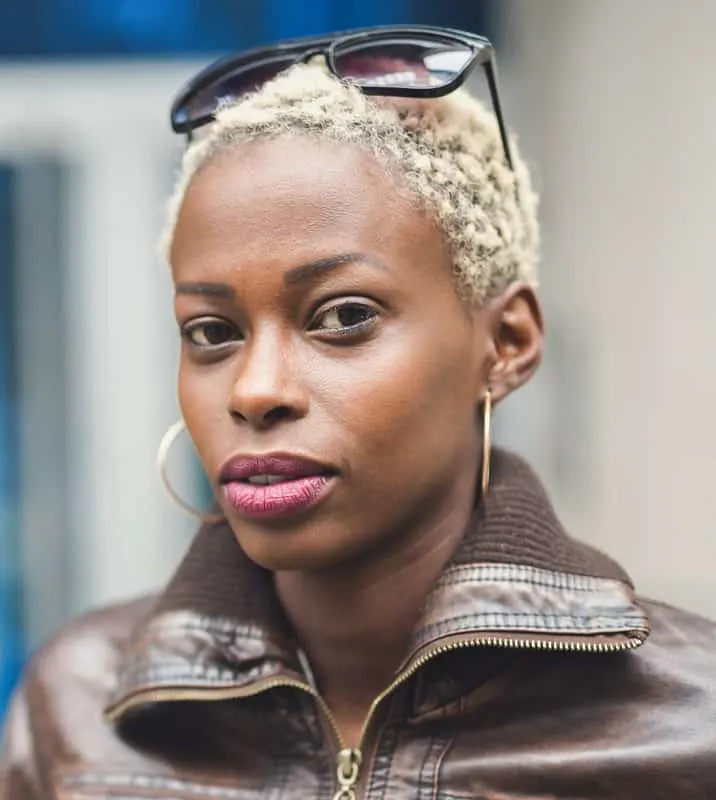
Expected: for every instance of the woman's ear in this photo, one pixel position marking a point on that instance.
(517, 327)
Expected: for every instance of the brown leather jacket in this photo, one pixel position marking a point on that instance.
(535, 673)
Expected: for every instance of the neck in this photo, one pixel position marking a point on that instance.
(355, 621)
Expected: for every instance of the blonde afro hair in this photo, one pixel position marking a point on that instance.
(446, 152)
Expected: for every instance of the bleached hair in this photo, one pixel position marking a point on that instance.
(446, 152)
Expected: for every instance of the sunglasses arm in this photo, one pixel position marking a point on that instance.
(491, 73)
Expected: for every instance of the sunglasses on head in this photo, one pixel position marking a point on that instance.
(417, 61)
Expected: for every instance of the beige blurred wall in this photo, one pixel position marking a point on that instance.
(615, 105)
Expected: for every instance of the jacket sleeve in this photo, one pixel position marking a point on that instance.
(20, 777)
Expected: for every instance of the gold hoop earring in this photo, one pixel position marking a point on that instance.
(486, 440)
(162, 454)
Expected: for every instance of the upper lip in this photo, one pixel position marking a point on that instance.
(286, 465)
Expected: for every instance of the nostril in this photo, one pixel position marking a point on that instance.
(278, 414)
(272, 416)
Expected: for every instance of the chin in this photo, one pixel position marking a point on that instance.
(288, 551)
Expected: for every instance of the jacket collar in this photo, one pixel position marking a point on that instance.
(517, 579)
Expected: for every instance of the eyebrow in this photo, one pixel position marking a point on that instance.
(305, 273)
(221, 290)
(315, 270)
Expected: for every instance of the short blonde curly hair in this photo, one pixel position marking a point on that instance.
(446, 151)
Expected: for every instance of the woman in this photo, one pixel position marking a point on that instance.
(383, 606)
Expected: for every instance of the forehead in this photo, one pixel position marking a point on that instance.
(291, 196)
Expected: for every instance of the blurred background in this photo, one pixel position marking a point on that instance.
(611, 104)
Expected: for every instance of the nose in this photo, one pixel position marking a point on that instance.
(267, 389)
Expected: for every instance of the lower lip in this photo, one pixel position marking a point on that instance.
(277, 499)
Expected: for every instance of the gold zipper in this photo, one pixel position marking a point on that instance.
(143, 696)
(350, 759)
(632, 639)
(349, 763)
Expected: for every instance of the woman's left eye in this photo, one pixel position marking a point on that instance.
(345, 318)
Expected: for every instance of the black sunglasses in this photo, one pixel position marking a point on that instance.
(417, 61)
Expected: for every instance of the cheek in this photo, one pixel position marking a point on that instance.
(203, 407)
(413, 395)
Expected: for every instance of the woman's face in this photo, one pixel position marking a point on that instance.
(324, 344)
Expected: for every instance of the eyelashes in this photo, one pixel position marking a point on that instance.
(347, 318)
(209, 332)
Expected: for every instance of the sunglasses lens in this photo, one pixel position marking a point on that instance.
(402, 64)
(203, 104)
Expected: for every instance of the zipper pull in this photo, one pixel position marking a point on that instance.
(349, 761)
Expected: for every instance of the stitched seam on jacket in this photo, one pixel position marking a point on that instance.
(143, 782)
(529, 576)
(540, 622)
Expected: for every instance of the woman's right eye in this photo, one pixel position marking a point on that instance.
(207, 333)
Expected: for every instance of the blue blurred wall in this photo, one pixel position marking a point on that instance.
(71, 28)
(11, 645)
